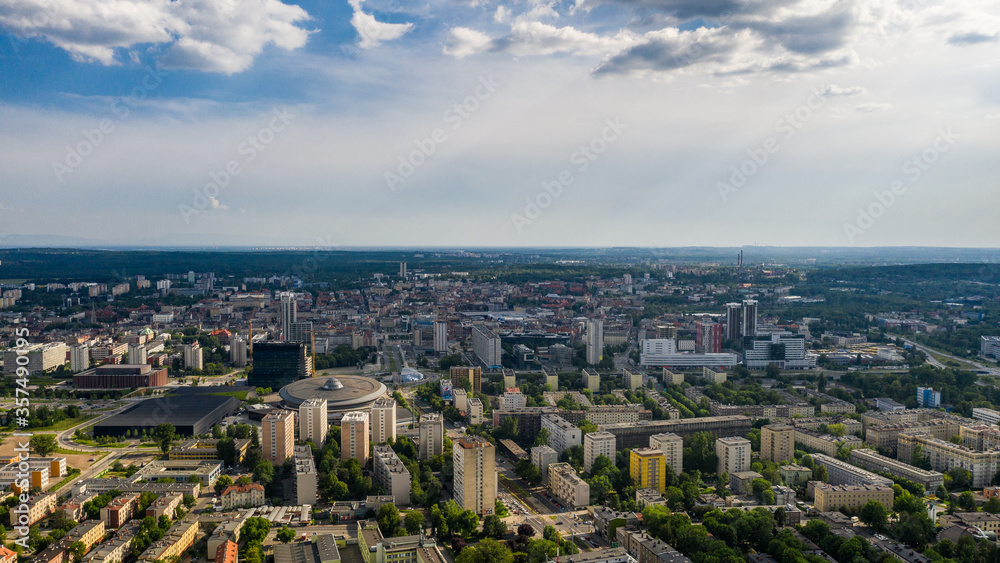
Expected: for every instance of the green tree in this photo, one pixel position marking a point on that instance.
(875, 515)
(43, 444)
(992, 505)
(493, 527)
(967, 502)
(388, 520)
(263, 473)
(78, 549)
(500, 509)
(542, 438)
(286, 535)
(720, 487)
(414, 522)
(163, 435)
(919, 459)
(225, 448)
(222, 482)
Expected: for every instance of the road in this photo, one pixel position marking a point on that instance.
(934, 362)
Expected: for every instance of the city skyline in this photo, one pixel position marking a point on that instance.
(539, 124)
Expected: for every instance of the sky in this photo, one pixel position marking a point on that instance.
(512, 123)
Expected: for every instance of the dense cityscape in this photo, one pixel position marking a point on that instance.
(440, 407)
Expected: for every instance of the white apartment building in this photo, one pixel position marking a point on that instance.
(595, 341)
(562, 433)
(486, 346)
(392, 474)
(672, 447)
(513, 399)
(733, 454)
(431, 436)
(383, 420)
(596, 444)
(313, 424)
(567, 486)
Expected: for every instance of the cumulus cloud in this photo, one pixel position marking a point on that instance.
(214, 203)
(373, 32)
(206, 35)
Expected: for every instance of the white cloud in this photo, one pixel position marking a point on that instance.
(502, 14)
(214, 203)
(207, 35)
(833, 90)
(463, 42)
(374, 32)
(872, 107)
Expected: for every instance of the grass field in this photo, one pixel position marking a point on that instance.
(72, 473)
(953, 363)
(66, 424)
(241, 395)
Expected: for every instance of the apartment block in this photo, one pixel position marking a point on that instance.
(597, 444)
(885, 436)
(431, 436)
(631, 379)
(671, 378)
(238, 496)
(874, 461)
(474, 375)
(648, 469)
(313, 424)
(513, 399)
(777, 442)
(672, 447)
(591, 380)
(636, 435)
(843, 473)
(392, 475)
(354, 437)
(509, 378)
(120, 510)
(562, 433)
(306, 477)
(542, 457)
(475, 480)
(944, 455)
(830, 498)
(461, 400)
(825, 443)
(568, 486)
(733, 454)
(712, 376)
(475, 414)
(279, 436)
(383, 420)
(986, 415)
(486, 346)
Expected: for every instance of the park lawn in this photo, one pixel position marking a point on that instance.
(953, 363)
(72, 473)
(241, 395)
(66, 424)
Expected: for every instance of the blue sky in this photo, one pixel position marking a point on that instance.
(483, 122)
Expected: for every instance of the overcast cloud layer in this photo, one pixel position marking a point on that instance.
(474, 122)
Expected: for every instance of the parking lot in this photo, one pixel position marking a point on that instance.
(514, 506)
